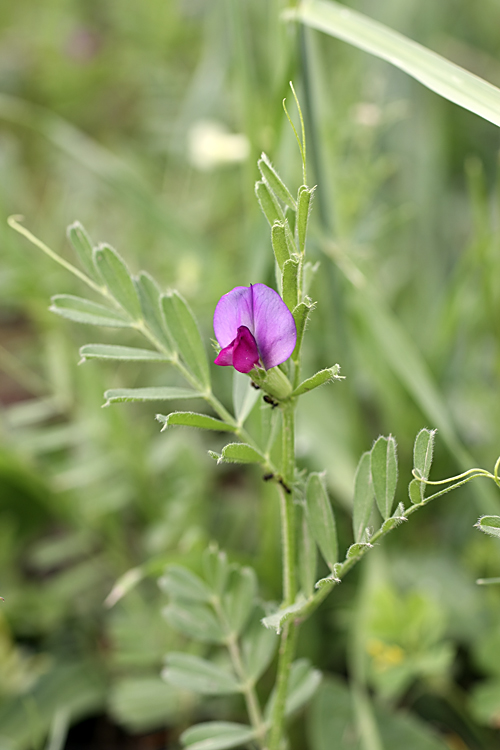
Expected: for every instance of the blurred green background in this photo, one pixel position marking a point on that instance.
(144, 120)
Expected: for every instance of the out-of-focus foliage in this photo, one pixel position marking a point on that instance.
(145, 121)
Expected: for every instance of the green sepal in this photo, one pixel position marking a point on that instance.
(191, 419)
(81, 310)
(184, 332)
(268, 203)
(83, 247)
(116, 276)
(273, 381)
(320, 378)
(274, 181)
(290, 283)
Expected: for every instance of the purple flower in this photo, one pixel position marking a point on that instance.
(254, 327)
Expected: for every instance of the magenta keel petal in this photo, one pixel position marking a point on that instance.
(242, 353)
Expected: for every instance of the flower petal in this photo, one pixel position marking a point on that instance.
(233, 310)
(273, 326)
(242, 353)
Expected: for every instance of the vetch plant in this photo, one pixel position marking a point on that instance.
(260, 333)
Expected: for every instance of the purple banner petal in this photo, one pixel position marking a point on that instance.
(261, 310)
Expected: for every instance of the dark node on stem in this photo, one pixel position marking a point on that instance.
(254, 385)
(285, 487)
(271, 401)
(267, 477)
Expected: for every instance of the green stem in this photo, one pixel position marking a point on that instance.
(289, 635)
(287, 652)
(287, 505)
(248, 685)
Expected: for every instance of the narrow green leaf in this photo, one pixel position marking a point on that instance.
(191, 419)
(307, 557)
(161, 393)
(217, 735)
(259, 645)
(290, 287)
(384, 466)
(244, 396)
(241, 453)
(422, 456)
(291, 217)
(490, 525)
(118, 280)
(216, 568)
(149, 295)
(83, 246)
(320, 378)
(239, 598)
(195, 621)
(304, 200)
(180, 583)
(440, 75)
(321, 519)
(363, 497)
(122, 353)
(268, 203)
(304, 681)
(415, 491)
(82, 310)
(309, 272)
(183, 330)
(300, 315)
(199, 675)
(274, 181)
(279, 243)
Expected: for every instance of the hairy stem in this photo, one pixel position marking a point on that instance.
(287, 652)
(248, 685)
(289, 634)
